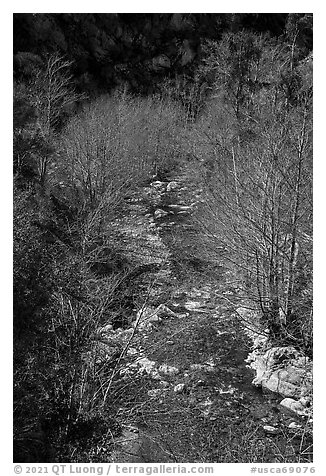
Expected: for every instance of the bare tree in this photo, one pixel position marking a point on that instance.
(52, 94)
(258, 205)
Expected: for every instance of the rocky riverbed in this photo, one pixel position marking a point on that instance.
(185, 376)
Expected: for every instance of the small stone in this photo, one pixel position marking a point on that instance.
(106, 328)
(179, 388)
(165, 312)
(172, 186)
(195, 367)
(206, 403)
(181, 208)
(183, 316)
(158, 184)
(164, 383)
(294, 425)
(229, 390)
(170, 342)
(168, 370)
(191, 305)
(160, 213)
(132, 351)
(133, 429)
(271, 429)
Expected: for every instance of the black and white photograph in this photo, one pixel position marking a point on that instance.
(162, 240)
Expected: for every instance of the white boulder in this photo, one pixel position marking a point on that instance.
(282, 370)
(295, 406)
(179, 388)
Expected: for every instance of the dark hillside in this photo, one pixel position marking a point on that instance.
(140, 49)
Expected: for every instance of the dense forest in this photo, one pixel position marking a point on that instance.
(104, 104)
